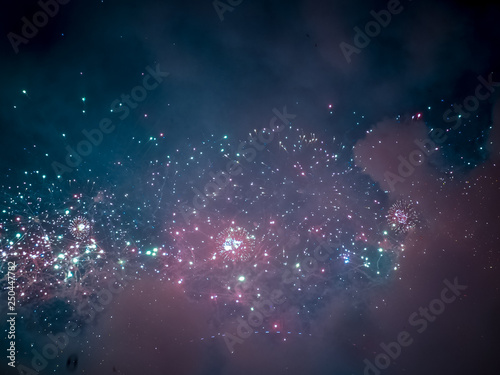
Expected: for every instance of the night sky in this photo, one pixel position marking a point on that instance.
(249, 187)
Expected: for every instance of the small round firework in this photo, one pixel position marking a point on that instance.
(79, 228)
(235, 244)
(402, 216)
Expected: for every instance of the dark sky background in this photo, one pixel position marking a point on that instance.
(226, 77)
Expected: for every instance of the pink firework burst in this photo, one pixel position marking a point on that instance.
(79, 228)
(402, 216)
(235, 244)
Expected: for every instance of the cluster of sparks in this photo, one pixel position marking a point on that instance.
(48, 236)
(235, 244)
(79, 228)
(402, 216)
(231, 238)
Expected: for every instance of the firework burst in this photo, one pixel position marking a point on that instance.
(235, 244)
(402, 216)
(79, 228)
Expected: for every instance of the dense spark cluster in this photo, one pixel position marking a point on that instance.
(230, 222)
(283, 198)
(44, 230)
(235, 244)
(402, 216)
(79, 227)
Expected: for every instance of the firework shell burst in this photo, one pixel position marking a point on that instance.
(80, 228)
(235, 244)
(402, 216)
